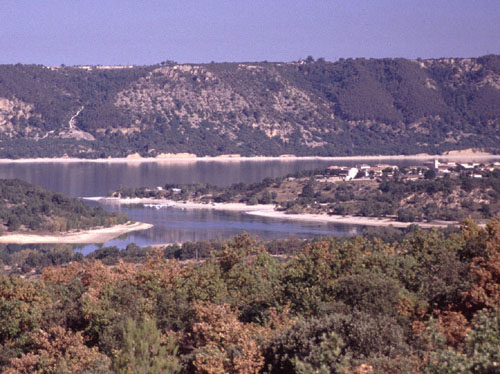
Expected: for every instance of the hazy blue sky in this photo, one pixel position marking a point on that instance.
(70, 32)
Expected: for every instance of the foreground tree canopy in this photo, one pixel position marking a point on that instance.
(419, 302)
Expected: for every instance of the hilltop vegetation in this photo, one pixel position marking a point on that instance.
(25, 207)
(353, 106)
(427, 302)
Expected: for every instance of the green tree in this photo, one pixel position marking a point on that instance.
(479, 354)
(145, 350)
(430, 173)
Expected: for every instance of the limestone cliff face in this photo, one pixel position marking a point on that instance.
(307, 107)
(244, 95)
(15, 118)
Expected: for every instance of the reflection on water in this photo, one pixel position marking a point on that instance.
(97, 179)
(173, 225)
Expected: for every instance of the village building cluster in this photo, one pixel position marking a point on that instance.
(364, 171)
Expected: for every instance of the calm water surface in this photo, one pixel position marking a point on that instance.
(79, 179)
(173, 225)
(177, 225)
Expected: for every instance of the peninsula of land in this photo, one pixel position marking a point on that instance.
(435, 195)
(33, 215)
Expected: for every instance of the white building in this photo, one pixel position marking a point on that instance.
(351, 174)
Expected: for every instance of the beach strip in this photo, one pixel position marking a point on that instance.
(189, 158)
(92, 236)
(348, 220)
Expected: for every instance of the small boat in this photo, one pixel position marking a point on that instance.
(156, 206)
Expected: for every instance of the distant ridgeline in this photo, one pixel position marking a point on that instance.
(24, 207)
(349, 107)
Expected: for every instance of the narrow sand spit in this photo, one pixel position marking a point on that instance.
(269, 211)
(92, 236)
(235, 207)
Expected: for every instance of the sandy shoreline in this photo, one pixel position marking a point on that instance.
(269, 212)
(235, 207)
(347, 220)
(92, 236)
(452, 156)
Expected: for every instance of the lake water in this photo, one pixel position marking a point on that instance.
(80, 179)
(176, 225)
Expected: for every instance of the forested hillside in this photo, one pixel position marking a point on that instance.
(352, 106)
(420, 302)
(25, 207)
